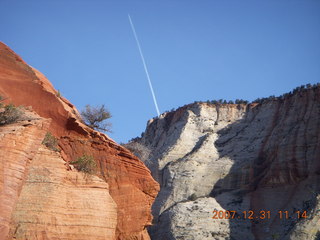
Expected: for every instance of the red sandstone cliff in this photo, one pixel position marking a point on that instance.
(130, 184)
(41, 197)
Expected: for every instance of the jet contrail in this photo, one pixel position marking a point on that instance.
(144, 65)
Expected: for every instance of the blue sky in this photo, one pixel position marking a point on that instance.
(195, 50)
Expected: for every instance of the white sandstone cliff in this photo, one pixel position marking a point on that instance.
(258, 157)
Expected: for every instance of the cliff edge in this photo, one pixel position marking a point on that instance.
(258, 161)
(124, 184)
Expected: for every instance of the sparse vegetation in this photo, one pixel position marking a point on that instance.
(9, 114)
(192, 197)
(138, 149)
(241, 101)
(224, 101)
(51, 142)
(95, 117)
(299, 89)
(85, 164)
(218, 102)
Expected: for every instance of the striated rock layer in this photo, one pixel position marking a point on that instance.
(18, 145)
(42, 197)
(258, 157)
(130, 183)
(56, 203)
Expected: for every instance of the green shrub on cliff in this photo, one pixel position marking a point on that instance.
(85, 164)
(51, 142)
(9, 114)
(192, 197)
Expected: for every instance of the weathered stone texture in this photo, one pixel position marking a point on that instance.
(237, 157)
(59, 203)
(18, 145)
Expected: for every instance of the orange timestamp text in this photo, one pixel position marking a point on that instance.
(250, 214)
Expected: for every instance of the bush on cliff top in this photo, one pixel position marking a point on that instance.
(95, 117)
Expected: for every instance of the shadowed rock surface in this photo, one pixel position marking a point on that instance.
(236, 157)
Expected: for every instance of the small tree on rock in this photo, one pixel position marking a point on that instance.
(95, 117)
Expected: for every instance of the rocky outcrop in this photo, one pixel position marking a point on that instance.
(130, 183)
(43, 198)
(235, 157)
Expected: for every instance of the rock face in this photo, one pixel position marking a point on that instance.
(228, 157)
(68, 204)
(128, 181)
(18, 145)
(42, 197)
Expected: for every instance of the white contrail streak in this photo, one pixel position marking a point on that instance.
(144, 65)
